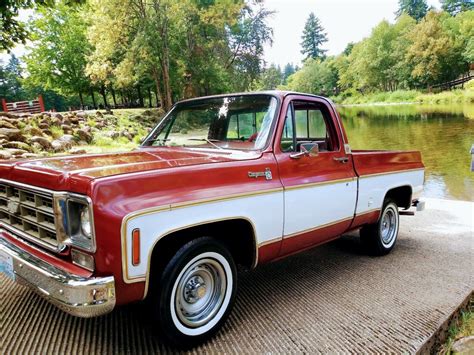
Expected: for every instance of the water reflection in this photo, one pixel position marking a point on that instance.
(443, 133)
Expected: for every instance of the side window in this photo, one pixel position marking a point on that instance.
(242, 126)
(312, 125)
(287, 136)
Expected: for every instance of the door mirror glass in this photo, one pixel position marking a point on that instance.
(310, 149)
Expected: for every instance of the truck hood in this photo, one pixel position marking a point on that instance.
(74, 173)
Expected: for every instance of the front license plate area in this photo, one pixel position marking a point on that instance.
(6, 265)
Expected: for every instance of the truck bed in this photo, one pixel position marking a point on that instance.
(370, 162)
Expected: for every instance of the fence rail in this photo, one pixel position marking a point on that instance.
(33, 106)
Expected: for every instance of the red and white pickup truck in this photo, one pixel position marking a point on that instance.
(239, 179)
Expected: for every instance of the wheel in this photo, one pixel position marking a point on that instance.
(195, 293)
(380, 238)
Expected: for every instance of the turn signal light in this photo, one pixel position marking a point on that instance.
(136, 247)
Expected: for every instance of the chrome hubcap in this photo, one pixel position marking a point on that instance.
(388, 226)
(200, 292)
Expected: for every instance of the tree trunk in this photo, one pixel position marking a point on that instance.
(122, 96)
(165, 66)
(140, 98)
(93, 99)
(156, 97)
(149, 98)
(156, 78)
(104, 97)
(81, 100)
(113, 97)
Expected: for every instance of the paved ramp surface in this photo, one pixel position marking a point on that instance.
(330, 299)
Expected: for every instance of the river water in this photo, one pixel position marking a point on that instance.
(443, 133)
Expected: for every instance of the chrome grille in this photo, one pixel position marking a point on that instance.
(30, 212)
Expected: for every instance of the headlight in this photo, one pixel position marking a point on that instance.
(86, 227)
(77, 227)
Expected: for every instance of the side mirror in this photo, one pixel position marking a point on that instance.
(306, 150)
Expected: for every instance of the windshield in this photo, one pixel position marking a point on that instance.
(233, 122)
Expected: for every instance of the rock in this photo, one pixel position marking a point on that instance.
(33, 131)
(29, 155)
(18, 145)
(5, 154)
(66, 128)
(56, 121)
(44, 125)
(12, 134)
(112, 134)
(57, 116)
(464, 345)
(47, 132)
(84, 135)
(60, 146)
(6, 124)
(126, 134)
(16, 152)
(77, 151)
(99, 114)
(66, 121)
(45, 144)
(68, 138)
(8, 114)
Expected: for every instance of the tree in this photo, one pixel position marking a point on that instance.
(414, 8)
(454, 7)
(14, 31)
(289, 69)
(10, 80)
(313, 38)
(57, 57)
(270, 79)
(186, 48)
(316, 77)
(434, 53)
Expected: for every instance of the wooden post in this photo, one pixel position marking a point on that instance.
(4, 105)
(41, 103)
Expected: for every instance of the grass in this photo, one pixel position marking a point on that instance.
(408, 96)
(462, 327)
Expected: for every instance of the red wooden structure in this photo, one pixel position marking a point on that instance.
(33, 106)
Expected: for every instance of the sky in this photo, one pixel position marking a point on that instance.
(343, 20)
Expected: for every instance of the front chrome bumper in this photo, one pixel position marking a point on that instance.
(76, 295)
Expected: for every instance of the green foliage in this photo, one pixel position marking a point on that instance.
(407, 96)
(313, 38)
(316, 77)
(10, 80)
(288, 70)
(14, 31)
(454, 7)
(414, 8)
(185, 48)
(270, 79)
(435, 52)
(59, 49)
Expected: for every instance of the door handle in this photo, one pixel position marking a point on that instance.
(342, 160)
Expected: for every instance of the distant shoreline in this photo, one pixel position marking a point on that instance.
(408, 97)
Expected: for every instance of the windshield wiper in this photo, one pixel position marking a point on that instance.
(163, 140)
(210, 141)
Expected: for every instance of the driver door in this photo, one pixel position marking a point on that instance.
(320, 189)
